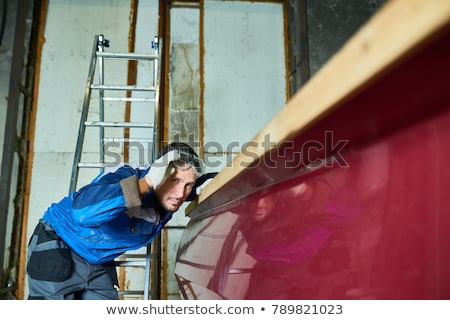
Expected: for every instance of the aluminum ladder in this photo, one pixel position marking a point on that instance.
(97, 65)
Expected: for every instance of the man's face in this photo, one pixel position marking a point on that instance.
(264, 207)
(175, 189)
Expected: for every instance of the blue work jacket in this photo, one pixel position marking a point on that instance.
(93, 221)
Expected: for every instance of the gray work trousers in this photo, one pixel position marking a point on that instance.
(84, 281)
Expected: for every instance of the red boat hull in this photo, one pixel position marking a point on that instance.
(352, 207)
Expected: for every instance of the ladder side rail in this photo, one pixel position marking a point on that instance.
(157, 79)
(155, 246)
(147, 272)
(83, 118)
(156, 267)
(101, 79)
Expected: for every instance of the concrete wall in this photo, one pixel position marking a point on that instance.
(331, 23)
(245, 74)
(6, 51)
(16, 20)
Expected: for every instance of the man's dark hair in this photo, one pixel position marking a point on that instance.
(180, 146)
(187, 155)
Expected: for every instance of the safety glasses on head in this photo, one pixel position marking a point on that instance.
(188, 159)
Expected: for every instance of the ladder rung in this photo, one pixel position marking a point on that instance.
(118, 124)
(127, 55)
(132, 256)
(143, 140)
(132, 263)
(91, 165)
(123, 99)
(131, 292)
(103, 164)
(125, 88)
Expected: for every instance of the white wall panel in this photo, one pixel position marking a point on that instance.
(245, 80)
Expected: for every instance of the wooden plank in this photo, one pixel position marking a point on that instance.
(399, 29)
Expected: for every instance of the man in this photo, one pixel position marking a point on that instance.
(72, 250)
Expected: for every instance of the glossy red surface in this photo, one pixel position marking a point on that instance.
(373, 222)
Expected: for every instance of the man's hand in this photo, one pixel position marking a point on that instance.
(159, 169)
